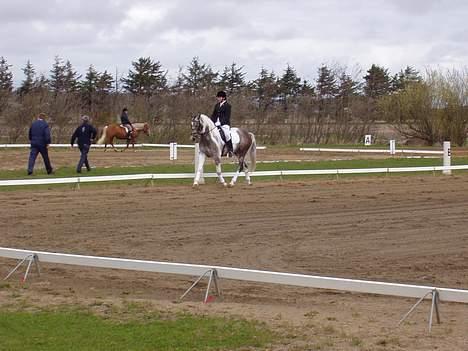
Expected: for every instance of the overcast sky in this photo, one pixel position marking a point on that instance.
(110, 34)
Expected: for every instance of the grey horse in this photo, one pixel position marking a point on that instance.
(211, 145)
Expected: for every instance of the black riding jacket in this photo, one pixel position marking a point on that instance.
(84, 133)
(222, 112)
(124, 118)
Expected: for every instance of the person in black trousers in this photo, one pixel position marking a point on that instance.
(39, 137)
(85, 134)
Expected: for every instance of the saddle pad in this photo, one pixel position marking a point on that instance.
(235, 136)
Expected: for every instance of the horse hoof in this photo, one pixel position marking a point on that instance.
(224, 185)
(231, 185)
(195, 186)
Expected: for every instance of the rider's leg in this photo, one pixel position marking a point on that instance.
(227, 135)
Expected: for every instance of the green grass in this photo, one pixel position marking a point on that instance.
(75, 330)
(228, 167)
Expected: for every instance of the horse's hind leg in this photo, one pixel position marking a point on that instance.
(240, 167)
(247, 175)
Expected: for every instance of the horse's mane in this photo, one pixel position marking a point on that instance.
(207, 121)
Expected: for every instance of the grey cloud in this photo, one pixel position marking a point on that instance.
(268, 33)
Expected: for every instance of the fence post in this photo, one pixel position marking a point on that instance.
(392, 147)
(173, 151)
(447, 157)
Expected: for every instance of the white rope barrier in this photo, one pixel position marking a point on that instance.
(153, 176)
(352, 285)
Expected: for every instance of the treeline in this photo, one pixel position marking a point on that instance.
(278, 108)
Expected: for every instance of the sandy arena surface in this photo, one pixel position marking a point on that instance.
(395, 229)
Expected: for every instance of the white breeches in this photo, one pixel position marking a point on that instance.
(227, 131)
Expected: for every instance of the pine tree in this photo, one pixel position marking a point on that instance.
(347, 87)
(199, 76)
(71, 78)
(326, 87)
(88, 86)
(27, 85)
(404, 78)
(289, 83)
(105, 83)
(6, 77)
(57, 76)
(232, 78)
(146, 78)
(377, 82)
(265, 87)
(307, 88)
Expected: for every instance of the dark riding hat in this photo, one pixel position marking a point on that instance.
(221, 94)
(124, 109)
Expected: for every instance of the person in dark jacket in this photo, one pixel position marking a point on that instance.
(221, 117)
(85, 134)
(125, 121)
(39, 137)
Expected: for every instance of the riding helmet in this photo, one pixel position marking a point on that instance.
(221, 94)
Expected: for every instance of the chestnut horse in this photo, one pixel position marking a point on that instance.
(211, 144)
(112, 131)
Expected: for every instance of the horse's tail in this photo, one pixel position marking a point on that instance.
(252, 153)
(103, 136)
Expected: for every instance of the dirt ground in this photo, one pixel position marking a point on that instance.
(396, 229)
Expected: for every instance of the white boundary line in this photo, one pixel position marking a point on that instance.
(153, 176)
(352, 285)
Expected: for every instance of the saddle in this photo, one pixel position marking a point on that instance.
(127, 129)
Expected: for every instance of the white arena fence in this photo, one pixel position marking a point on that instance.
(187, 146)
(376, 151)
(157, 176)
(12, 146)
(392, 150)
(351, 285)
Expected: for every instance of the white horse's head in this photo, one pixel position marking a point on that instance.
(201, 125)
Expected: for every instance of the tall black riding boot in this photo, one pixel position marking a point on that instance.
(230, 148)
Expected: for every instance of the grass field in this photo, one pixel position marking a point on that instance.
(229, 167)
(78, 330)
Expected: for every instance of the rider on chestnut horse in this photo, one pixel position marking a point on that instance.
(125, 121)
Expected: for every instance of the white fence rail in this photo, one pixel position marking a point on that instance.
(98, 145)
(380, 151)
(352, 285)
(188, 146)
(156, 176)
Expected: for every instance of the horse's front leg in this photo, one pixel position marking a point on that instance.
(128, 143)
(240, 167)
(217, 160)
(112, 144)
(201, 161)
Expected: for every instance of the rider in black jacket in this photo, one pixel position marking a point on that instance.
(126, 122)
(221, 117)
